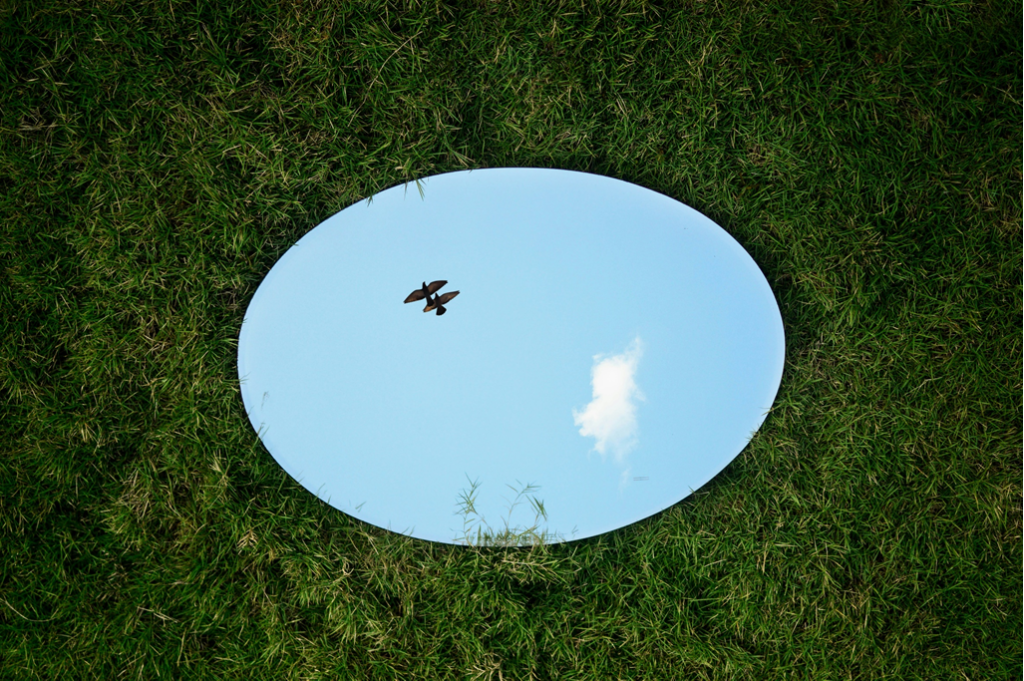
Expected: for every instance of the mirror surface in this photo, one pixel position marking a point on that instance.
(609, 352)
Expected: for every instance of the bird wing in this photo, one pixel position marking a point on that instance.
(415, 295)
(441, 300)
(435, 286)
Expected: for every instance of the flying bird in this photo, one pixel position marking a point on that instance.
(435, 303)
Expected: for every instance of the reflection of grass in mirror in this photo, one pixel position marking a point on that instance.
(476, 531)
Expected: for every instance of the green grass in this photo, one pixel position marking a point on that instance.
(156, 158)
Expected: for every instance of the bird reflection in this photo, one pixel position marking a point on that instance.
(435, 303)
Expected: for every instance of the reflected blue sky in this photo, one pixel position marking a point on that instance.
(610, 346)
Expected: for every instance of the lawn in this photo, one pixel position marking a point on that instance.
(156, 158)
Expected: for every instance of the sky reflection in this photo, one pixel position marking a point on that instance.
(384, 411)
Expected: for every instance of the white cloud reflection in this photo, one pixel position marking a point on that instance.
(610, 418)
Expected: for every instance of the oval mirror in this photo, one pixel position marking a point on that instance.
(609, 351)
